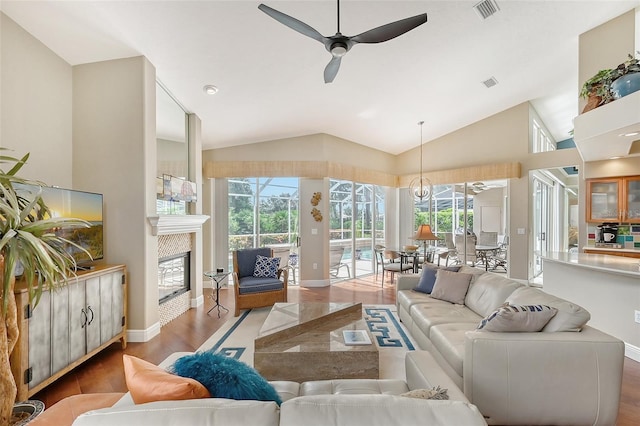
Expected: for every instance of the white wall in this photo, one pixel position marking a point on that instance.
(35, 106)
(114, 152)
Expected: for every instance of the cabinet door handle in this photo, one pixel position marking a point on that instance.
(84, 317)
(92, 315)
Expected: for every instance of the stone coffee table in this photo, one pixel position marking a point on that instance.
(304, 341)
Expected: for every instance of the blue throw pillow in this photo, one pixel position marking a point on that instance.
(428, 277)
(225, 377)
(266, 267)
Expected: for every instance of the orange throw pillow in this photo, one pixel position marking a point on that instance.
(148, 383)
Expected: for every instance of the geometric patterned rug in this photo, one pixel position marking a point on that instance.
(235, 338)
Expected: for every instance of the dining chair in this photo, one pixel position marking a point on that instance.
(391, 262)
(488, 238)
(470, 253)
(498, 259)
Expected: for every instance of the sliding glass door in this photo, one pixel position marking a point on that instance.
(356, 214)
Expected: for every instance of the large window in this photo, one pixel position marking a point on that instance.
(541, 142)
(263, 212)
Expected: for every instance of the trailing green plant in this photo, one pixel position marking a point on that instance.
(631, 65)
(600, 85)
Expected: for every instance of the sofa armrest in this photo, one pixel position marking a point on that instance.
(407, 281)
(575, 376)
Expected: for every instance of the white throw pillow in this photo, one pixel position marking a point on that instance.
(451, 286)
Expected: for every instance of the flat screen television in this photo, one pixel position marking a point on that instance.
(80, 205)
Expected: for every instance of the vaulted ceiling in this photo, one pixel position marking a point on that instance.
(270, 78)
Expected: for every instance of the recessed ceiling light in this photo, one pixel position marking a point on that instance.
(614, 158)
(636, 133)
(210, 89)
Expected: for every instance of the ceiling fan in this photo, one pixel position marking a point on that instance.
(338, 45)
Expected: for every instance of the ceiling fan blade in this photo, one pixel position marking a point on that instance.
(292, 23)
(389, 31)
(331, 69)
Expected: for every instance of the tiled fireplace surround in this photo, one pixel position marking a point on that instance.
(171, 245)
(181, 234)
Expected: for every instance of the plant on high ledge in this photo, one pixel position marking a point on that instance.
(597, 89)
(28, 237)
(627, 79)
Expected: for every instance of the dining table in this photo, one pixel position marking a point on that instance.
(483, 252)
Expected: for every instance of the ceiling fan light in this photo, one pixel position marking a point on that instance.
(338, 49)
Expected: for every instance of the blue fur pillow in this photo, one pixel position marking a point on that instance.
(225, 377)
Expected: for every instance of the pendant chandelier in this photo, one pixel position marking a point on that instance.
(420, 187)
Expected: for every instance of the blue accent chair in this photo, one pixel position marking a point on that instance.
(254, 292)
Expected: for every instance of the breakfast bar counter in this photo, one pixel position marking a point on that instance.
(607, 286)
(598, 262)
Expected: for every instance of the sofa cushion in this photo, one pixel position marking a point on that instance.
(65, 411)
(488, 292)
(202, 412)
(258, 285)
(266, 267)
(476, 272)
(147, 383)
(408, 298)
(428, 277)
(426, 315)
(448, 340)
(570, 317)
(353, 386)
(374, 410)
(509, 318)
(451, 286)
(226, 377)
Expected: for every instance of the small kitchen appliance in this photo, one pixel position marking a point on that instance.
(606, 233)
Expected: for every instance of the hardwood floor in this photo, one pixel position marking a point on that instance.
(104, 372)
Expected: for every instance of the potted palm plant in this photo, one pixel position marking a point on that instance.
(27, 238)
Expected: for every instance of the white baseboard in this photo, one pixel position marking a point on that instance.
(315, 283)
(143, 335)
(197, 301)
(632, 352)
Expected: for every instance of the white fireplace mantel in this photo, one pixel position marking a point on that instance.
(176, 224)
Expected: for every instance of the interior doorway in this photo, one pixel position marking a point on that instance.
(554, 215)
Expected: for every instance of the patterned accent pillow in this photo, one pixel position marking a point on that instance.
(266, 267)
(517, 318)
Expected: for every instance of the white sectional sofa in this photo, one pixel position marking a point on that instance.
(568, 373)
(347, 402)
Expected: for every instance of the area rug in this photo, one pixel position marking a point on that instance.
(235, 338)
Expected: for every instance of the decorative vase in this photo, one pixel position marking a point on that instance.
(626, 85)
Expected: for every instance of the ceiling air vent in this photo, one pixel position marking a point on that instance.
(490, 82)
(486, 8)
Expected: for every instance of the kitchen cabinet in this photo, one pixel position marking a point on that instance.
(68, 326)
(614, 199)
(614, 252)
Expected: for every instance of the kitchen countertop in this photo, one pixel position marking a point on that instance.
(600, 262)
